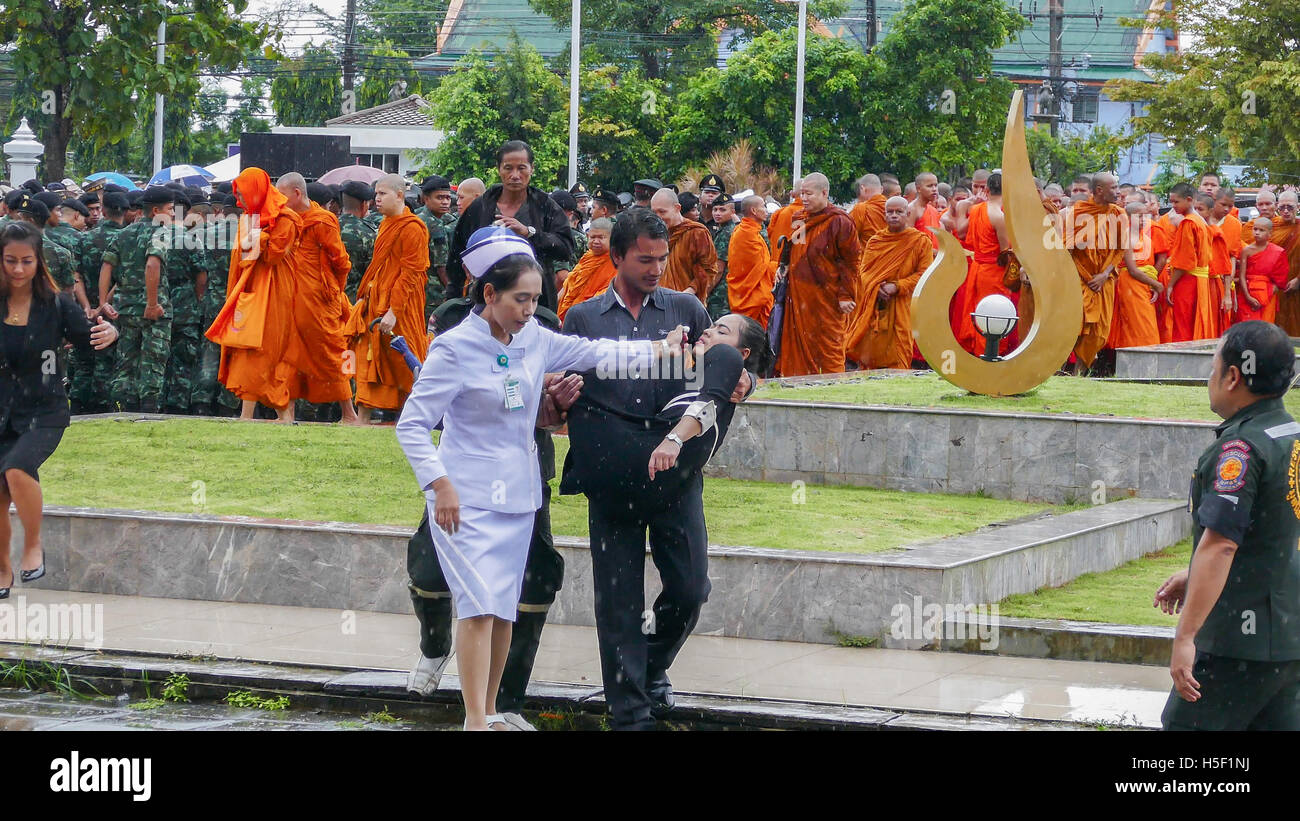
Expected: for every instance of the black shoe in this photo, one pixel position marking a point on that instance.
(4, 591)
(33, 575)
(660, 691)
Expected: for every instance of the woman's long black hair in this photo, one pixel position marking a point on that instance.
(22, 233)
(754, 337)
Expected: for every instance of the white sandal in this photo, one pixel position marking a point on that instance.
(495, 718)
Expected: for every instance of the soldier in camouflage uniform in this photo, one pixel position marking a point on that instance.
(358, 236)
(724, 218)
(569, 205)
(209, 397)
(91, 375)
(146, 328)
(435, 192)
(187, 278)
(58, 261)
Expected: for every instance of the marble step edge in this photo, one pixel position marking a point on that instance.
(1061, 639)
(362, 690)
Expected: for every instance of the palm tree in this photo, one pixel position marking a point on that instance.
(736, 167)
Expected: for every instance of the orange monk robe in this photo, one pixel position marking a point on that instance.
(869, 217)
(781, 224)
(929, 219)
(395, 279)
(1096, 236)
(266, 283)
(880, 335)
(750, 272)
(822, 274)
(1287, 235)
(984, 278)
(1189, 249)
(1266, 275)
(1025, 307)
(692, 259)
(590, 277)
(1223, 239)
(321, 309)
(1135, 323)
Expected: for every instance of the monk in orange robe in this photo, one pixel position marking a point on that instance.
(924, 215)
(1096, 235)
(1188, 293)
(868, 213)
(751, 271)
(983, 230)
(593, 273)
(782, 222)
(321, 308)
(880, 331)
(1134, 324)
(1225, 240)
(692, 257)
(1286, 233)
(390, 302)
(260, 349)
(1261, 274)
(822, 288)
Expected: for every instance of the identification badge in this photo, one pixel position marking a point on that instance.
(514, 396)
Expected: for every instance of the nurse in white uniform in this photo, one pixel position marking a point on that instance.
(483, 381)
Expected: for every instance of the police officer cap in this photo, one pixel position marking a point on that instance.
(579, 191)
(625, 199)
(565, 200)
(648, 183)
(114, 201)
(723, 199)
(76, 205)
(51, 199)
(435, 183)
(89, 198)
(37, 209)
(712, 182)
(94, 185)
(357, 190)
(157, 195)
(607, 197)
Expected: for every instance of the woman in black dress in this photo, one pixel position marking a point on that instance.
(33, 404)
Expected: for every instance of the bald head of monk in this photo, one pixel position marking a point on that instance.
(753, 207)
(1287, 205)
(1224, 202)
(979, 182)
(390, 195)
(470, 189)
(667, 207)
(896, 214)
(868, 186)
(1262, 229)
(1266, 202)
(294, 188)
(815, 191)
(1105, 188)
(889, 185)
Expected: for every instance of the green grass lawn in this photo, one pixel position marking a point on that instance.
(1059, 394)
(344, 474)
(1119, 596)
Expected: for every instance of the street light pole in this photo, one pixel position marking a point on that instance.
(158, 103)
(574, 60)
(798, 92)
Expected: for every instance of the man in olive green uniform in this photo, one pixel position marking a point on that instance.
(1236, 656)
(724, 220)
(435, 193)
(711, 187)
(187, 279)
(560, 269)
(358, 237)
(58, 261)
(91, 375)
(137, 262)
(209, 397)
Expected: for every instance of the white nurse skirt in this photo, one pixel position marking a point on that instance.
(484, 560)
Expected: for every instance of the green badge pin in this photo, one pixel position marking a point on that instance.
(503, 360)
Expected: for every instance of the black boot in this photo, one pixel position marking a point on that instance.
(434, 615)
(524, 641)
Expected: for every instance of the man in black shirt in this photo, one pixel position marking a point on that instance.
(1236, 656)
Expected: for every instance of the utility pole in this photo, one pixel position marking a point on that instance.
(158, 102)
(349, 45)
(1056, 21)
(575, 59)
(1056, 17)
(871, 24)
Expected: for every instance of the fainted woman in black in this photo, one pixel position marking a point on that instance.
(33, 404)
(652, 460)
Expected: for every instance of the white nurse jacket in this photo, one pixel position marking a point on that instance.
(486, 449)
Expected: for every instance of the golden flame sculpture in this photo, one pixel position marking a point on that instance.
(1058, 301)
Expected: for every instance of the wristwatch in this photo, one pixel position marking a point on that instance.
(531, 231)
(672, 437)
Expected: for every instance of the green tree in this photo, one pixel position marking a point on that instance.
(1061, 159)
(410, 26)
(622, 119)
(675, 38)
(383, 71)
(1238, 75)
(482, 104)
(754, 97)
(308, 89)
(83, 60)
(250, 110)
(938, 104)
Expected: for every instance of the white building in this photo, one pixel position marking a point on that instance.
(384, 136)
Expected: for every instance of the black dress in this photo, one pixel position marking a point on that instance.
(620, 450)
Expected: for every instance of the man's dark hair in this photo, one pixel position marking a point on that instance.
(633, 224)
(1209, 174)
(1085, 179)
(1183, 189)
(512, 146)
(1263, 353)
(995, 183)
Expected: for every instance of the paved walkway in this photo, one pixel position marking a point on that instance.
(954, 683)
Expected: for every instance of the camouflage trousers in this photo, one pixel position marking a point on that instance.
(183, 364)
(207, 390)
(142, 351)
(90, 377)
(718, 304)
(435, 293)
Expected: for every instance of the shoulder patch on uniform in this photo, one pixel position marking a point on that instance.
(1230, 473)
(1235, 444)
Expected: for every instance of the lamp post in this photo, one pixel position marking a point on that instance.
(994, 317)
(575, 56)
(798, 88)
